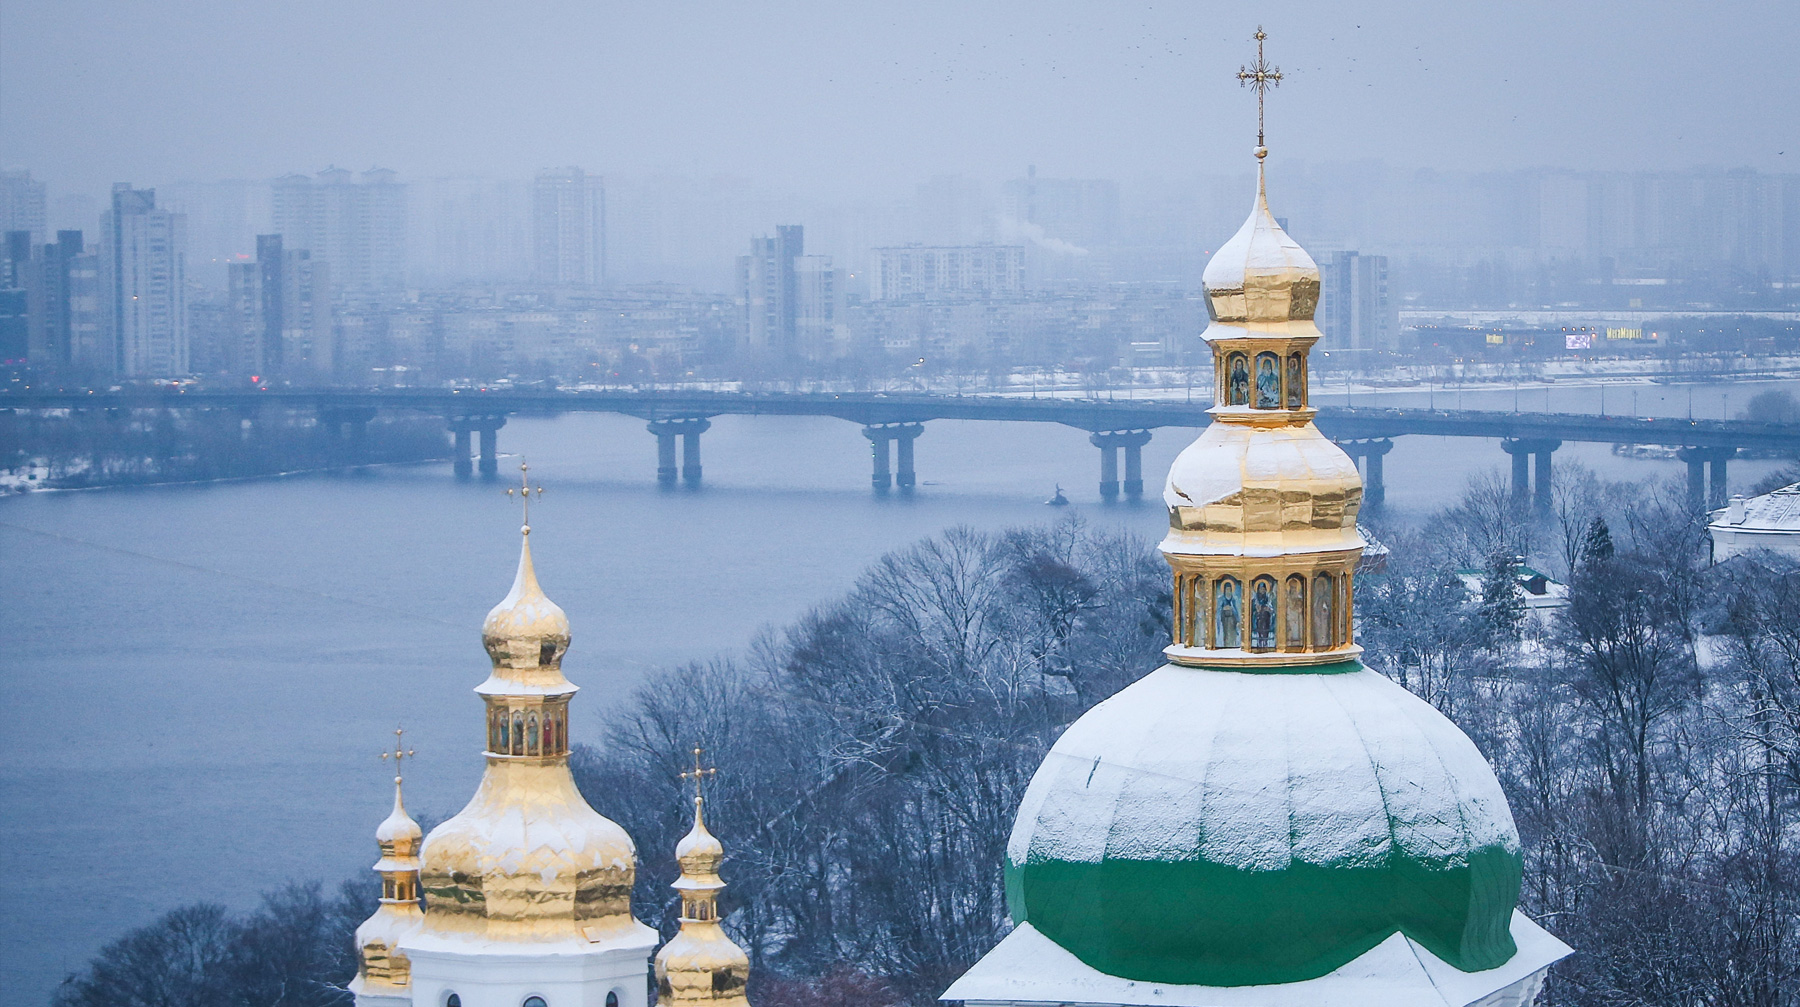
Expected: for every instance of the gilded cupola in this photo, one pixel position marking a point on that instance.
(382, 967)
(701, 965)
(527, 859)
(1262, 507)
(1263, 820)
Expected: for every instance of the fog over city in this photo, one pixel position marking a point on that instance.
(864, 100)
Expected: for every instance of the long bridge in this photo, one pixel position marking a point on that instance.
(893, 421)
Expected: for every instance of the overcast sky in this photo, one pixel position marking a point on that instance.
(853, 99)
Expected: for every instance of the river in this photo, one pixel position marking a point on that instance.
(200, 677)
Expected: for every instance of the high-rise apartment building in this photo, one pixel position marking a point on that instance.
(568, 226)
(948, 271)
(790, 304)
(15, 298)
(1355, 311)
(354, 224)
(280, 308)
(144, 282)
(65, 323)
(22, 205)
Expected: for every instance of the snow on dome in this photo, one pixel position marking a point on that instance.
(1224, 828)
(527, 854)
(1261, 274)
(1288, 482)
(525, 614)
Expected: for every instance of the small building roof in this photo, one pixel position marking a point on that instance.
(1776, 511)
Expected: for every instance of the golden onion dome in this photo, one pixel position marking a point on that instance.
(398, 835)
(526, 630)
(1256, 490)
(701, 964)
(699, 853)
(527, 859)
(1261, 277)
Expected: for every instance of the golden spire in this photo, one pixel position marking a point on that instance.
(1259, 76)
(528, 861)
(701, 965)
(382, 967)
(1262, 507)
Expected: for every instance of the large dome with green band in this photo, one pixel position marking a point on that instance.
(1240, 827)
(1263, 821)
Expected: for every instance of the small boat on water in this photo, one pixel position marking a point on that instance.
(1058, 500)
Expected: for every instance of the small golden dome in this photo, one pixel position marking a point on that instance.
(699, 853)
(1261, 276)
(526, 630)
(398, 835)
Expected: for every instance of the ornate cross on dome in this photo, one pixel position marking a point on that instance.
(1260, 76)
(525, 489)
(400, 752)
(697, 774)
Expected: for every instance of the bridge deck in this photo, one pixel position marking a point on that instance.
(869, 408)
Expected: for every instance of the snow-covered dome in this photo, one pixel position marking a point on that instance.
(1261, 275)
(526, 630)
(1265, 490)
(1229, 828)
(528, 858)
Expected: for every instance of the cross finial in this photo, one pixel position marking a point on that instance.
(400, 751)
(525, 489)
(697, 774)
(1261, 77)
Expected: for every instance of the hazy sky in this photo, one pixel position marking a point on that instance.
(851, 98)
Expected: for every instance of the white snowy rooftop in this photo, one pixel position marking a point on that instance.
(1777, 511)
(1028, 967)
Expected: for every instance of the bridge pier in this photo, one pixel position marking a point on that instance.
(1110, 442)
(880, 436)
(1707, 475)
(1367, 455)
(488, 427)
(459, 454)
(346, 431)
(1525, 486)
(689, 430)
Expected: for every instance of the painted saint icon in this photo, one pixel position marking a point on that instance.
(1262, 616)
(1227, 617)
(1324, 612)
(1296, 613)
(1296, 382)
(1268, 382)
(1238, 389)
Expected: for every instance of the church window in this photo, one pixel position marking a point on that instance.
(1262, 614)
(612, 1000)
(1237, 380)
(453, 1001)
(1296, 381)
(1268, 381)
(1324, 612)
(534, 1002)
(1293, 614)
(1228, 614)
(547, 653)
(531, 734)
(387, 889)
(518, 732)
